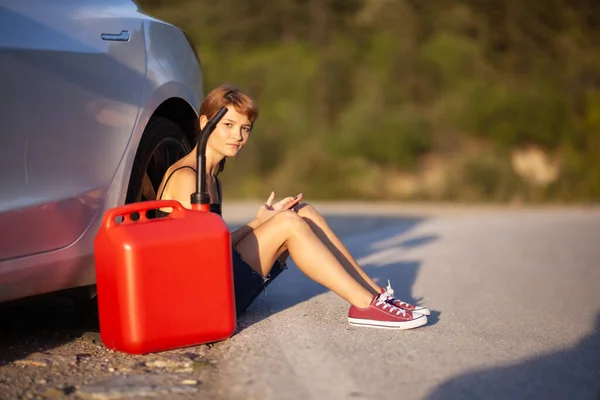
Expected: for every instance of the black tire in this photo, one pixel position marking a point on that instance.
(162, 144)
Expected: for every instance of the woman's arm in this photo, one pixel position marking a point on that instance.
(240, 233)
(183, 184)
(265, 212)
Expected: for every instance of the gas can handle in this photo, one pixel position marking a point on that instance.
(110, 215)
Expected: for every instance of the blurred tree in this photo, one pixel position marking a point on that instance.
(385, 85)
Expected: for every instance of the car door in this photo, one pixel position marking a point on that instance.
(72, 74)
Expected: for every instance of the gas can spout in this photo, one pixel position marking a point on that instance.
(201, 196)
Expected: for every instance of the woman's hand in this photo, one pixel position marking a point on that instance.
(286, 203)
(266, 211)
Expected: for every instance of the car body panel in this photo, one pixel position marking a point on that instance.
(86, 94)
(73, 119)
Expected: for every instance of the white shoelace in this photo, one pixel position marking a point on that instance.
(390, 292)
(389, 289)
(382, 299)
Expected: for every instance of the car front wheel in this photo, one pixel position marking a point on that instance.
(162, 144)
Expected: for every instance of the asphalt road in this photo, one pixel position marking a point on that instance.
(514, 294)
(515, 299)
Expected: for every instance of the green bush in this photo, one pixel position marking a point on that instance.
(513, 118)
(350, 91)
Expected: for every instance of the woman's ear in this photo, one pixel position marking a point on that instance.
(203, 121)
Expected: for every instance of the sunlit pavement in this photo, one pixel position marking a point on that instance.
(515, 300)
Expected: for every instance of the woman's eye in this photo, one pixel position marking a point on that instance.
(246, 129)
(228, 124)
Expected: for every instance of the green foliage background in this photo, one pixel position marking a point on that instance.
(358, 96)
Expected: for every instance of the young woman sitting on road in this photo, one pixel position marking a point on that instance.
(282, 229)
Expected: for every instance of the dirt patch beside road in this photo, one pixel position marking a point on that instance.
(49, 349)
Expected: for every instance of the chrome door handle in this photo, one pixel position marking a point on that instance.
(122, 37)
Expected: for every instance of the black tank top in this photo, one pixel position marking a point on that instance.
(214, 207)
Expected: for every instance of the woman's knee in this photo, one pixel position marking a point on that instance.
(307, 210)
(290, 220)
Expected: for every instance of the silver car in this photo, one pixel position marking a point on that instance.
(97, 99)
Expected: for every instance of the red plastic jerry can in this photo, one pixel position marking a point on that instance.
(163, 283)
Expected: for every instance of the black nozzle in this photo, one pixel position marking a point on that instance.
(201, 196)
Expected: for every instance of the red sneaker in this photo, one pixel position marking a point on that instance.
(382, 314)
(402, 304)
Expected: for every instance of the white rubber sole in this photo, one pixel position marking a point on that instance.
(424, 311)
(370, 323)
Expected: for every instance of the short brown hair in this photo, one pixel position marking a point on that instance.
(226, 95)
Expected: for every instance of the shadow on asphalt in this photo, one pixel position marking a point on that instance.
(41, 323)
(572, 373)
(381, 257)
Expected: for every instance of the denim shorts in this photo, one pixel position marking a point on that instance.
(249, 284)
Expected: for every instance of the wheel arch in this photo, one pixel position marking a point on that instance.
(181, 113)
(172, 100)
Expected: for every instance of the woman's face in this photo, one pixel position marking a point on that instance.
(230, 134)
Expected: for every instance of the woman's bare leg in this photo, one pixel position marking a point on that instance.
(288, 231)
(335, 245)
(283, 257)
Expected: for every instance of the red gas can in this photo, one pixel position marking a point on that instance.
(163, 283)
